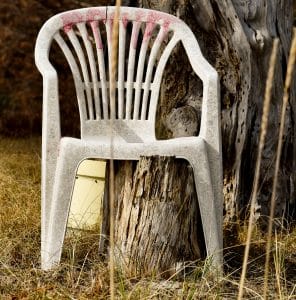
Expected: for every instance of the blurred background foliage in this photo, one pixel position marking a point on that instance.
(20, 81)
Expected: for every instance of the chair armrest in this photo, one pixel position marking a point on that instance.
(50, 115)
(210, 129)
(51, 129)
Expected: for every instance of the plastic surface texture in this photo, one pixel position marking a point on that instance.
(125, 131)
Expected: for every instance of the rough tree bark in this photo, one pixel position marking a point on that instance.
(236, 37)
(157, 220)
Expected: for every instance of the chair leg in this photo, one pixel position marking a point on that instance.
(207, 208)
(47, 182)
(61, 200)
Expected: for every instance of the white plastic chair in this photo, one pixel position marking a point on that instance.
(133, 120)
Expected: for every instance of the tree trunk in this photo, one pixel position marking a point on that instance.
(156, 228)
(236, 38)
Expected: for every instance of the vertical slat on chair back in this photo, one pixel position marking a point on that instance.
(144, 47)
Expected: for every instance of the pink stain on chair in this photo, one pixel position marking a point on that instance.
(163, 33)
(140, 16)
(124, 20)
(154, 17)
(148, 31)
(111, 16)
(94, 14)
(158, 18)
(135, 34)
(162, 19)
(95, 28)
(166, 25)
(70, 19)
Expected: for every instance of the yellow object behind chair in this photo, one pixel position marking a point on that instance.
(87, 195)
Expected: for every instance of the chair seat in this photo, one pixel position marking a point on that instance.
(117, 148)
(72, 151)
(131, 131)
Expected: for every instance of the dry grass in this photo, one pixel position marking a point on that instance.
(85, 275)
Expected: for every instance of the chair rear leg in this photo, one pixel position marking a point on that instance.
(61, 201)
(207, 208)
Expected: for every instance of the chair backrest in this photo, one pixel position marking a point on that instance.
(141, 62)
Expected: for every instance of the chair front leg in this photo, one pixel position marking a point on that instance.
(61, 201)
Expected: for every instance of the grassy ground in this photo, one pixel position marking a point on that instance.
(84, 275)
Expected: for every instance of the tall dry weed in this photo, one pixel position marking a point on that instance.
(263, 131)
